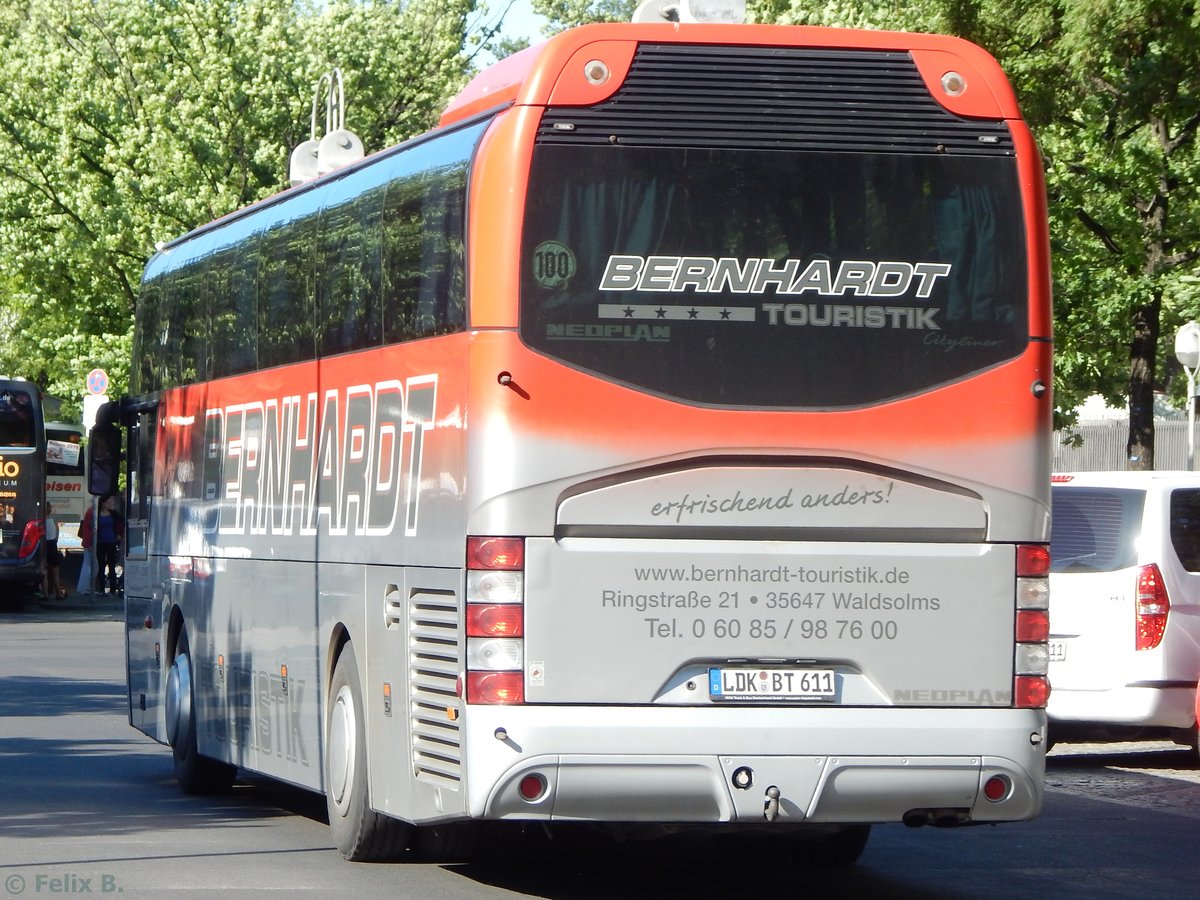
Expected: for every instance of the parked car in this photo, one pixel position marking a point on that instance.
(1125, 606)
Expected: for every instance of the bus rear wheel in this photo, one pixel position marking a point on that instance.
(195, 773)
(360, 833)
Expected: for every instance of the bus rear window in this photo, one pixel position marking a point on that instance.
(18, 422)
(760, 278)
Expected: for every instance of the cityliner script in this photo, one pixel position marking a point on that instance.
(279, 467)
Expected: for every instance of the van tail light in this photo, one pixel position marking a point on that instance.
(495, 620)
(34, 531)
(1152, 608)
(1031, 654)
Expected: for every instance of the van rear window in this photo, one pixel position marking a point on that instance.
(1185, 527)
(1094, 529)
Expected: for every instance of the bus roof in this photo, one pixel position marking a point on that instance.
(553, 72)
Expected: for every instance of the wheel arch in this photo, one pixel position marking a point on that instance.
(175, 624)
(339, 637)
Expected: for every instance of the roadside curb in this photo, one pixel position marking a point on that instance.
(82, 603)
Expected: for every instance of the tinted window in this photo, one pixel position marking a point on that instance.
(1094, 529)
(1185, 527)
(233, 309)
(372, 257)
(184, 333)
(424, 246)
(767, 278)
(287, 284)
(348, 262)
(18, 418)
(144, 374)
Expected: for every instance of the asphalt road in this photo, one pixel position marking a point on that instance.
(89, 806)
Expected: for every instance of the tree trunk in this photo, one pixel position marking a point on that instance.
(1143, 349)
(1142, 359)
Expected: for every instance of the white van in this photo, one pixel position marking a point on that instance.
(1125, 605)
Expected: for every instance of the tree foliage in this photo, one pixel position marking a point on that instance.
(1112, 91)
(124, 124)
(562, 14)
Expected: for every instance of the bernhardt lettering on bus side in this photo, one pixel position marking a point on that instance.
(280, 468)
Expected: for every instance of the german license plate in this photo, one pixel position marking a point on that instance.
(772, 684)
(1058, 651)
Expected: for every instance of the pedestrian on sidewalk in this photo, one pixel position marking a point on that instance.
(51, 587)
(107, 531)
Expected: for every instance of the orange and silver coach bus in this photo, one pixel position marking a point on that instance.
(661, 440)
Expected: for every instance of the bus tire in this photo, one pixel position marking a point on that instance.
(360, 833)
(195, 773)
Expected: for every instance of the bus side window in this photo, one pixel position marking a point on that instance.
(185, 330)
(424, 240)
(233, 310)
(141, 483)
(147, 371)
(285, 285)
(104, 459)
(348, 262)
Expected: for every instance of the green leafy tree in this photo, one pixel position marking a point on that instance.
(562, 14)
(126, 124)
(1124, 159)
(1112, 91)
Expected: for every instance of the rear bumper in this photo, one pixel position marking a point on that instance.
(692, 765)
(1145, 706)
(28, 570)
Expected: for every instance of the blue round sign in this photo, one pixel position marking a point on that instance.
(97, 382)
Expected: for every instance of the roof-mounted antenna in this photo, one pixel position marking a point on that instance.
(338, 147)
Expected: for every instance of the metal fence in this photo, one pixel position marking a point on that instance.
(1103, 447)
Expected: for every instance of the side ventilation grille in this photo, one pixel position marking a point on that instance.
(435, 660)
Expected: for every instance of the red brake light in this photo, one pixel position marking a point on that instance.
(34, 531)
(495, 553)
(1030, 691)
(1033, 560)
(1033, 625)
(499, 620)
(495, 687)
(1152, 608)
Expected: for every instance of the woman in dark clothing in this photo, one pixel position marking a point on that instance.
(107, 532)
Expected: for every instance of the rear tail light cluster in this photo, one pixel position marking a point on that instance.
(34, 531)
(495, 614)
(1152, 608)
(1031, 687)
